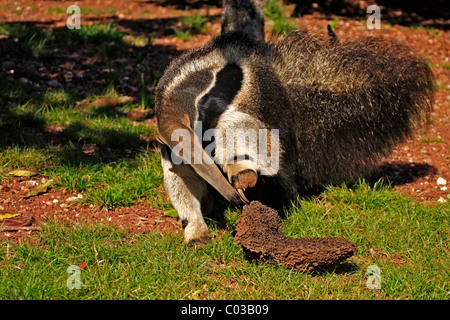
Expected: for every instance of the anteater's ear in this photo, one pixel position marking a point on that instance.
(161, 140)
(331, 35)
(186, 121)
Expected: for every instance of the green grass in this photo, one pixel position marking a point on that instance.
(58, 99)
(195, 23)
(190, 26)
(429, 30)
(85, 10)
(107, 175)
(32, 41)
(408, 241)
(430, 139)
(56, 9)
(16, 157)
(118, 184)
(42, 44)
(279, 21)
(103, 35)
(183, 35)
(107, 37)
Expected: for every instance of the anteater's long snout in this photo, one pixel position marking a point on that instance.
(201, 162)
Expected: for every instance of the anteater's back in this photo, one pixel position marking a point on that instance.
(352, 100)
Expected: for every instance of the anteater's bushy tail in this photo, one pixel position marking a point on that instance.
(352, 100)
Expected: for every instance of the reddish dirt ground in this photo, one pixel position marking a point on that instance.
(413, 168)
(63, 206)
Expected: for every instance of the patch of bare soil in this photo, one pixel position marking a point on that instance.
(258, 232)
(66, 207)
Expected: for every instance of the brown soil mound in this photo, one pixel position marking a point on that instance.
(260, 237)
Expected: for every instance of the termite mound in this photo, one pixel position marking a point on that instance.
(260, 237)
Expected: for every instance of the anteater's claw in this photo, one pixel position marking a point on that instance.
(241, 194)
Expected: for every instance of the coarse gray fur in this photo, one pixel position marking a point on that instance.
(339, 107)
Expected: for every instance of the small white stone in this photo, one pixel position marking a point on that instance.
(441, 181)
(30, 183)
(441, 200)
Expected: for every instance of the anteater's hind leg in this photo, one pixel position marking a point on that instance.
(187, 191)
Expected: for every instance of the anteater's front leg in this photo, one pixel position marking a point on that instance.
(186, 190)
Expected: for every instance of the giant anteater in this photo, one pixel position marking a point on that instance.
(331, 109)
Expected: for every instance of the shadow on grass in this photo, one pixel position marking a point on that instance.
(400, 173)
(37, 59)
(389, 174)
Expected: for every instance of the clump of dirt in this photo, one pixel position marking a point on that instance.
(260, 237)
